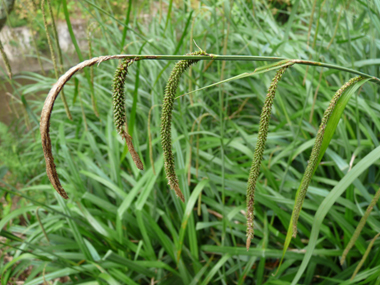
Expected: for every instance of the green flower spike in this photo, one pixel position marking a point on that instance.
(312, 164)
(166, 120)
(259, 151)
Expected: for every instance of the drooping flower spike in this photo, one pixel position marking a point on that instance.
(166, 120)
(118, 99)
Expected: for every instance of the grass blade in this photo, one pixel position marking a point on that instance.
(329, 131)
(327, 203)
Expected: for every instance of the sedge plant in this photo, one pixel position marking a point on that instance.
(170, 91)
(124, 227)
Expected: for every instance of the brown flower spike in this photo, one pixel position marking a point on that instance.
(46, 113)
(118, 99)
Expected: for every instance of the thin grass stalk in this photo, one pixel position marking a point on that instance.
(225, 48)
(166, 118)
(191, 153)
(93, 100)
(10, 111)
(32, 13)
(49, 39)
(37, 52)
(311, 22)
(43, 276)
(83, 112)
(191, 50)
(315, 96)
(126, 23)
(312, 164)
(41, 224)
(118, 99)
(234, 114)
(198, 120)
(6, 61)
(320, 16)
(53, 58)
(197, 146)
(360, 226)
(313, 45)
(336, 27)
(364, 256)
(259, 152)
(150, 138)
(12, 104)
(59, 51)
(55, 33)
(190, 68)
(207, 66)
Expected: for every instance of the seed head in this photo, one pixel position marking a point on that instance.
(166, 118)
(259, 152)
(315, 152)
(118, 101)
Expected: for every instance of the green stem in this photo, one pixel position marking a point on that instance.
(246, 58)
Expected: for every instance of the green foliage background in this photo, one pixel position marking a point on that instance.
(125, 226)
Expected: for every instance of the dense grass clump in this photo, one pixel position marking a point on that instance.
(122, 225)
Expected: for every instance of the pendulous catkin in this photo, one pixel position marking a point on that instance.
(166, 120)
(315, 153)
(259, 151)
(118, 99)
